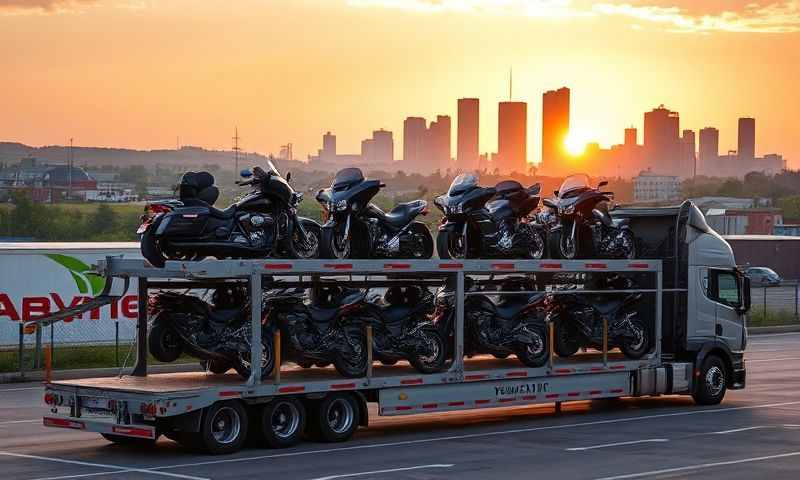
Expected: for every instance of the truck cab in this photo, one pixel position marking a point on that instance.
(706, 298)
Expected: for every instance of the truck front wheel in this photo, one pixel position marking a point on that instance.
(711, 384)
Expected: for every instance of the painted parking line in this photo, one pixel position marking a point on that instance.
(20, 389)
(83, 475)
(388, 470)
(786, 359)
(617, 444)
(12, 422)
(476, 435)
(115, 468)
(699, 466)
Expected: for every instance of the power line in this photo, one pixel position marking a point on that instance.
(236, 151)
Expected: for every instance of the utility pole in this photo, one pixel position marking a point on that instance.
(236, 151)
(69, 170)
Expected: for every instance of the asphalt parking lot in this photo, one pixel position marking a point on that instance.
(754, 433)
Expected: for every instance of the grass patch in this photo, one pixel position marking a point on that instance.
(83, 356)
(759, 318)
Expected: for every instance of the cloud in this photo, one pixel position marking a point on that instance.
(24, 7)
(780, 17)
(674, 15)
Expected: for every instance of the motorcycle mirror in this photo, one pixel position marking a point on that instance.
(555, 192)
(535, 189)
(246, 173)
(288, 176)
(602, 184)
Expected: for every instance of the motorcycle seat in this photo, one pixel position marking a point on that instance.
(222, 316)
(321, 314)
(223, 214)
(402, 213)
(606, 307)
(395, 313)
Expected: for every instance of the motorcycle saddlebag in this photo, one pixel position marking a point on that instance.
(185, 222)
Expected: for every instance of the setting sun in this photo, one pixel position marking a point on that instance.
(574, 144)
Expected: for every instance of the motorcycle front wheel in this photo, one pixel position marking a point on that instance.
(568, 247)
(334, 243)
(450, 245)
(537, 245)
(242, 364)
(628, 244)
(164, 343)
(310, 248)
(435, 356)
(351, 360)
(636, 348)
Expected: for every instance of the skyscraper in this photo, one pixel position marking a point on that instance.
(512, 137)
(383, 152)
(747, 139)
(555, 127)
(688, 145)
(328, 152)
(662, 146)
(631, 136)
(414, 132)
(437, 145)
(708, 150)
(467, 152)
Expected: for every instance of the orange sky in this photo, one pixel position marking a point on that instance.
(138, 73)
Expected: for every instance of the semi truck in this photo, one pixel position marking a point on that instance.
(695, 302)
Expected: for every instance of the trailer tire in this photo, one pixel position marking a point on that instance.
(335, 418)
(130, 441)
(223, 429)
(282, 422)
(710, 386)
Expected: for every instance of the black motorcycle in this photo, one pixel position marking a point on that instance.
(483, 222)
(217, 333)
(328, 330)
(356, 228)
(402, 330)
(513, 325)
(578, 322)
(581, 225)
(263, 223)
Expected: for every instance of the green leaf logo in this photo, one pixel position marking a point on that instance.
(85, 279)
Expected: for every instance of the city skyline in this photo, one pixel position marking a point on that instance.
(281, 86)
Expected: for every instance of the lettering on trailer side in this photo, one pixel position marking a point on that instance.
(521, 389)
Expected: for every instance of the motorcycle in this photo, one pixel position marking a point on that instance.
(263, 223)
(356, 228)
(217, 333)
(581, 225)
(578, 322)
(514, 325)
(482, 222)
(328, 330)
(402, 330)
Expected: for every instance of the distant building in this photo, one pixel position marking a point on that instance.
(747, 139)
(328, 152)
(754, 221)
(631, 136)
(555, 127)
(437, 144)
(688, 158)
(376, 152)
(709, 150)
(467, 149)
(662, 145)
(786, 230)
(414, 131)
(512, 137)
(652, 187)
(383, 153)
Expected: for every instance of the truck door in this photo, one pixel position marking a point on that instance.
(724, 289)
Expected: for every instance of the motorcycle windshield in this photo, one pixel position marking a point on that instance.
(346, 178)
(271, 167)
(462, 183)
(573, 185)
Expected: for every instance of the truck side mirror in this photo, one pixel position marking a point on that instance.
(746, 302)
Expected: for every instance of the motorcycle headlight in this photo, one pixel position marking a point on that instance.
(456, 209)
(337, 206)
(569, 210)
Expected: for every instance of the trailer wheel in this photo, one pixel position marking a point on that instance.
(131, 441)
(283, 421)
(336, 417)
(711, 385)
(223, 428)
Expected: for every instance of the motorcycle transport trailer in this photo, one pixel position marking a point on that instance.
(215, 412)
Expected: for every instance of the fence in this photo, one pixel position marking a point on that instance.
(775, 304)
